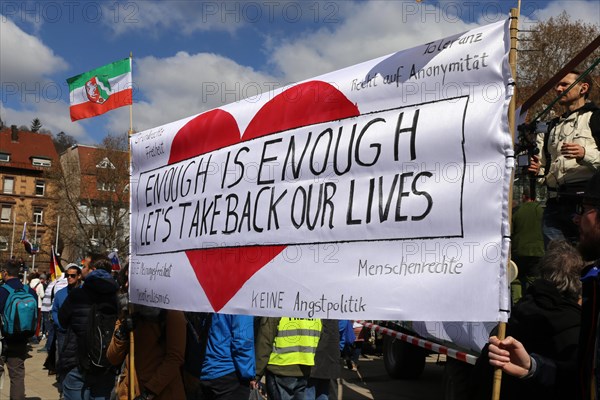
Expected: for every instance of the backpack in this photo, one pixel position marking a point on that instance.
(100, 328)
(197, 327)
(19, 319)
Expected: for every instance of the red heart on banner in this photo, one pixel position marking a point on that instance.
(223, 271)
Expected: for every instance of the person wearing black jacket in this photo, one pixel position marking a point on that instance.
(99, 288)
(66, 349)
(547, 322)
(515, 359)
(327, 361)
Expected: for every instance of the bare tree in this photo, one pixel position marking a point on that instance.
(546, 49)
(93, 185)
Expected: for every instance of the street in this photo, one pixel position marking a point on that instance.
(371, 381)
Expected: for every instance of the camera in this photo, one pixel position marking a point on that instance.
(523, 160)
(526, 146)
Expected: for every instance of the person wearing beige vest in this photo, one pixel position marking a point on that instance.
(568, 157)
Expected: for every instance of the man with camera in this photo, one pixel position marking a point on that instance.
(569, 156)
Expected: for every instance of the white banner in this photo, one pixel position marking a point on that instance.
(378, 192)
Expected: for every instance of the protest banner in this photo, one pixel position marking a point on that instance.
(378, 191)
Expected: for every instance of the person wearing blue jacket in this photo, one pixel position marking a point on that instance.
(229, 367)
(347, 338)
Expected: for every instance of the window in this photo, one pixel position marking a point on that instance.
(41, 162)
(9, 185)
(106, 187)
(40, 188)
(94, 237)
(3, 243)
(105, 163)
(4, 157)
(5, 213)
(38, 215)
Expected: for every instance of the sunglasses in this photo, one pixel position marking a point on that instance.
(71, 275)
(580, 209)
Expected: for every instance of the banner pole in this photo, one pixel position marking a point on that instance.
(36, 242)
(57, 231)
(512, 59)
(12, 241)
(132, 375)
(131, 105)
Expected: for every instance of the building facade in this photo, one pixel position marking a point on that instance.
(95, 189)
(27, 195)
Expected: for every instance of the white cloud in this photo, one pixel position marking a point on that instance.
(186, 84)
(186, 17)
(183, 85)
(54, 116)
(586, 11)
(369, 30)
(23, 57)
(25, 65)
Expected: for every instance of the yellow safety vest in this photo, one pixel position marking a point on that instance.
(296, 341)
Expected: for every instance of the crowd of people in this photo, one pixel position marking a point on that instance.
(177, 355)
(551, 350)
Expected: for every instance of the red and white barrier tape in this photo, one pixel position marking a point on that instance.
(437, 348)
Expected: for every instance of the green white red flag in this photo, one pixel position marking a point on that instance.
(100, 90)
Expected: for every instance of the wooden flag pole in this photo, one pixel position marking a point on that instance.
(132, 374)
(12, 242)
(512, 59)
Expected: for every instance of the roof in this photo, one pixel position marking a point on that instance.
(90, 156)
(28, 145)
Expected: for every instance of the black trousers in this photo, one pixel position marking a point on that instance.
(227, 387)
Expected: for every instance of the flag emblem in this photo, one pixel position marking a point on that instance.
(95, 92)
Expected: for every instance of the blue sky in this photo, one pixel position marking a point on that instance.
(192, 56)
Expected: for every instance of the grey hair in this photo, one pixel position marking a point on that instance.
(562, 265)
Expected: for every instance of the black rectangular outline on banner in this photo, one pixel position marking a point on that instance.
(462, 183)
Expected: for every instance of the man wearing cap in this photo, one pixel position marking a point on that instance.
(510, 355)
(569, 156)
